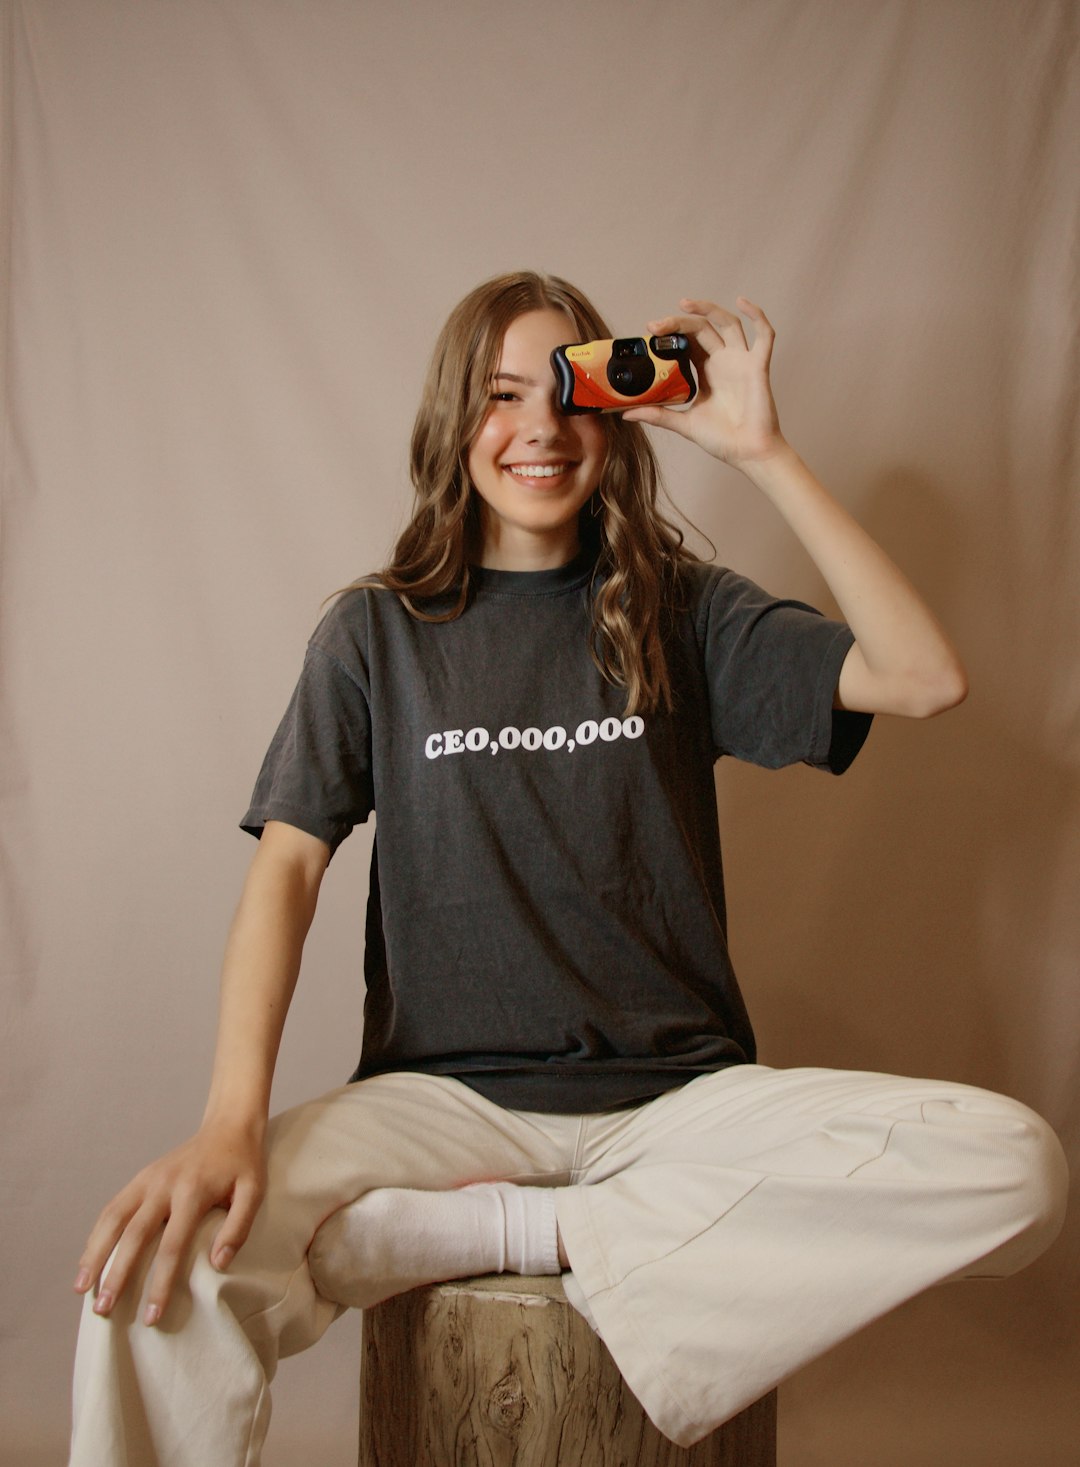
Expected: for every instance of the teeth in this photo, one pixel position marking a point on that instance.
(537, 471)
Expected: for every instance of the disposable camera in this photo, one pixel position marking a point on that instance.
(625, 372)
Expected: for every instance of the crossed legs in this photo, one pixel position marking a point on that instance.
(721, 1236)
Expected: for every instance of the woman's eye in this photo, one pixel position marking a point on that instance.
(504, 397)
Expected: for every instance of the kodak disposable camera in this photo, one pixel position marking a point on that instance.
(625, 372)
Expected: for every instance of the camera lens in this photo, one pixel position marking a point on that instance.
(631, 376)
(631, 371)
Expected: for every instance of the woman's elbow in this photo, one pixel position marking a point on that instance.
(920, 687)
(931, 695)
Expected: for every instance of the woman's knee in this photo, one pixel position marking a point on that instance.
(1032, 1182)
(1047, 1184)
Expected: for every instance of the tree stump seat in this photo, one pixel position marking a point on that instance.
(502, 1371)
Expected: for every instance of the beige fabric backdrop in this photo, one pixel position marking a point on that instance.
(230, 231)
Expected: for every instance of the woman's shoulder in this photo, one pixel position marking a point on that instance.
(345, 625)
(716, 596)
(700, 582)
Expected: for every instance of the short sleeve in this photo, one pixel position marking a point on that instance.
(772, 668)
(317, 771)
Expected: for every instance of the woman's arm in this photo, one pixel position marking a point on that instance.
(222, 1165)
(902, 661)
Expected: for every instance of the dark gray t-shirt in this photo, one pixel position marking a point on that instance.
(546, 912)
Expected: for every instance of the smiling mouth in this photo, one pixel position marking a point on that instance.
(538, 471)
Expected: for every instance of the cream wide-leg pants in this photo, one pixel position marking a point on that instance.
(723, 1235)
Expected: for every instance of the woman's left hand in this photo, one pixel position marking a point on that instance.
(733, 416)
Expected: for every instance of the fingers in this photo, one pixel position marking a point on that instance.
(764, 335)
(104, 1236)
(189, 1210)
(725, 323)
(172, 1253)
(133, 1248)
(659, 417)
(161, 1230)
(715, 328)
(699, 328)
(233, 1232)
(161, 1225)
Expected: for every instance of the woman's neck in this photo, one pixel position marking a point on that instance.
(505, 548)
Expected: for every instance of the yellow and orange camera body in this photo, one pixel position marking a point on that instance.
(624, 372)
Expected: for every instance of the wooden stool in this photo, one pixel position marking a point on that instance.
(502, 1371)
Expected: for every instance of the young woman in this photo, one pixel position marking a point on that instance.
(557, 1071)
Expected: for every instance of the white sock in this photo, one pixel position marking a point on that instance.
(394, 1238)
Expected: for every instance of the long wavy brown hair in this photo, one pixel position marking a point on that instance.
(637, 550)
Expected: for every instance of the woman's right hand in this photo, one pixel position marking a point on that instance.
(222, 1165)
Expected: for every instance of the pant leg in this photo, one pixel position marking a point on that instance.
(735, 1229)
(194, 1390)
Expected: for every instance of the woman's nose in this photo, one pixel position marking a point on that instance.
(545, 422)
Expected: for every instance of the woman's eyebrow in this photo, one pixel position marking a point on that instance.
(514, 377)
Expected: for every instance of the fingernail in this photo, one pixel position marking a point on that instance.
(153, 1314)
(103, 1303)
(223, 1257)
(82, 1280)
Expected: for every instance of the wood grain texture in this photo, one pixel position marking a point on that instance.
(503, 1372)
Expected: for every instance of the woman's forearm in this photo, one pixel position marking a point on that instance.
(902, 662)
(262, 961)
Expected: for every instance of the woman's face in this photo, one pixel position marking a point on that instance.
(532, 467)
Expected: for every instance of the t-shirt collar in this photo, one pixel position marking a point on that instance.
(576, 572)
